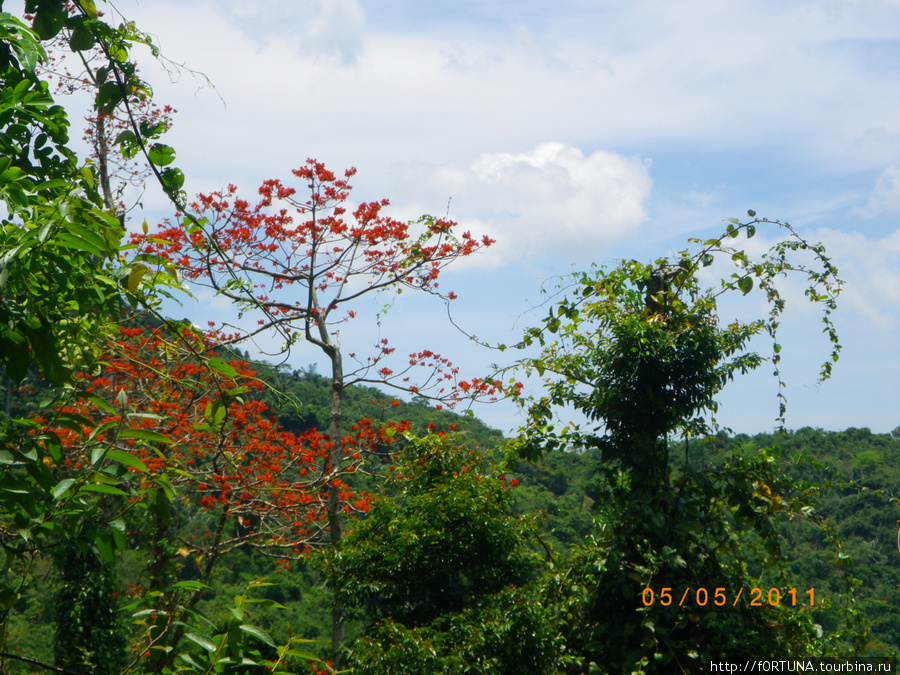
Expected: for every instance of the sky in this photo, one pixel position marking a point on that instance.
(574, 132)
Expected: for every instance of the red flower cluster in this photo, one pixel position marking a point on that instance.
(216, 443)
(310, 247)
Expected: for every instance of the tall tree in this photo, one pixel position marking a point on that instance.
(298, 264)
(64, 288)
(639, 354)
(440, 571)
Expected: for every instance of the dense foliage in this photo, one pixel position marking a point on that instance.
(437, 571)
(562, 489)
(155, 487)
(640, 353)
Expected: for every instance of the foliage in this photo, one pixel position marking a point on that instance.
(640, 354)
(90, 634)
(210, 472)
(296, 265)
(191, 427)
(855, 509)
(163, 454)
(439, 570)
(58, 247)
(64, 288)
(509, 633)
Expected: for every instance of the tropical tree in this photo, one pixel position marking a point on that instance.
(632, 361)
(441, 571)
(64, 290)
(207, 470)
(297, 265)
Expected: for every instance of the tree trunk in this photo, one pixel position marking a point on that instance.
(333, 504)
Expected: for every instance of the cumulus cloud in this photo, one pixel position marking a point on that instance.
(885, 196)
(871, 268)
(315, 27)
(552, 199)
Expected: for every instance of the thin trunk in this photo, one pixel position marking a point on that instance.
(102, 151)
(8, 403)
(335, 522)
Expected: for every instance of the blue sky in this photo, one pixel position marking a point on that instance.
(573, 132)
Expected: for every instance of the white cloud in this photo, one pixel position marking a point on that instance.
(870, 267)
(314, 27)
(316, 77)
(547, 201)
(885, 196)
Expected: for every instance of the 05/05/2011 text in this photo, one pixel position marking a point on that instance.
(701, 597)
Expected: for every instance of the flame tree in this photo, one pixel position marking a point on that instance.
(199, 468)
(298, 265)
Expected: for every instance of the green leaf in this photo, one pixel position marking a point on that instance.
(97, 455)
(161, 155)
(201, 640)
(104, 546)
(127, 459)
(134, 278)
(146, 435)
(172, 179)
(101, 403)
(103, 489)
(7, 458)
(745, 284)
(188, 659)
(216, 412)
(220, 366)
(301, 654)
(109, 96)
(81, 40)
(118, 534)
(191, 585)
(10, 484)
(258, 632)
(89, 8)
(49, 20)
(62, 487)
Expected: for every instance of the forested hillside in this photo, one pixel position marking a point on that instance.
(560, 491)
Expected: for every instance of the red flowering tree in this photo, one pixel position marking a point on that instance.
(209, 470)
(297, 264)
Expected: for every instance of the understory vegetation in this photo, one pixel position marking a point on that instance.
(553, 508)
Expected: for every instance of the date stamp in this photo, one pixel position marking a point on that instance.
(719, 597)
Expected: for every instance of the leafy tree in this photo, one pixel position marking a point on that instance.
(298, 264)
(60, 279)
(440, 571)
(182, 428)
(64, 288)
(640, 353)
